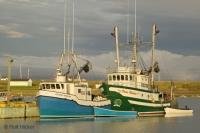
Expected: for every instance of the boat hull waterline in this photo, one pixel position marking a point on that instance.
(102, 112)
(51, 107)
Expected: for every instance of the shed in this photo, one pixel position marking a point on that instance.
(21, 82)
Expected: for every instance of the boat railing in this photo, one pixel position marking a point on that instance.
(120, 69)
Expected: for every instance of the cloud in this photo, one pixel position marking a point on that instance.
(10, 32)
(176, 66)
(173, 66)
(33, 3)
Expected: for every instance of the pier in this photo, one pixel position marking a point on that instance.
(18, 110)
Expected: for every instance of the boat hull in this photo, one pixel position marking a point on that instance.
(171, 112)
(128, 103)
(51, 107)
(102, 112)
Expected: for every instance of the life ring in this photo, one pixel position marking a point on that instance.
(117, 103)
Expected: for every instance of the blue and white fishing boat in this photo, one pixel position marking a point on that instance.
(102, 112)
(68, 99)
(69, 95)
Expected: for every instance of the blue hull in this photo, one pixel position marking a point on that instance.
(50, 107)
(102, 112)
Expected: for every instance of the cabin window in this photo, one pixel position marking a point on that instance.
(126, 77)
(88, 93)
(118, 77)
(110, 77)
(62, 86)
(79, 90)
(131, 77)
(114, 77)
(122, 77)
(52, 86)
(57, 86)
(47, 86)
(43, 86)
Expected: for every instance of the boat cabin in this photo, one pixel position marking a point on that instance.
(79, 90)
(128, 79)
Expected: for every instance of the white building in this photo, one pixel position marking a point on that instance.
(21, 82)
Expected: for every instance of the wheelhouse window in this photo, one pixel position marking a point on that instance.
(118, 77)
(122, 77)
(52, 86)
(126, 77)
(62, 86)
(114, 77)
(47, 86)
(130, 77)
(57, 86)
(42, 86)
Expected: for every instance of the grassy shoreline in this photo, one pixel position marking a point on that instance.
(182, 88)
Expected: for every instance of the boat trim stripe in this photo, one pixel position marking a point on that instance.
(149, 104)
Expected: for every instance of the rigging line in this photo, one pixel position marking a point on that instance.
(135, 17)
(69, 33)
(73, 21)
(64, 47)
(128, 23)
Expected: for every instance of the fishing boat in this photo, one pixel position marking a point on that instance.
(131, 88)
(175, 112)
(69, 95)
(102, 112)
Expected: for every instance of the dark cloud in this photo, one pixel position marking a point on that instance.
(35, 27)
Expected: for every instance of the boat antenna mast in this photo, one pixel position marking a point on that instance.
(135, 41)
(115, 34)
(155, 31)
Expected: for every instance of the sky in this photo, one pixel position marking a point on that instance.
(31, 31)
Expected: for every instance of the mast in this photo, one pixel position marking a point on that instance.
(73, 21)
(68, 34)
(116, 35)
(20, 71)
(128, 23)
(135, 42)
(64, 48)
(9, 61)
(28, 73)
(155, 31)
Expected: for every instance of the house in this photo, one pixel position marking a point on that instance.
(21, 82)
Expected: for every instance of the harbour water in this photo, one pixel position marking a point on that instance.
(190, 124)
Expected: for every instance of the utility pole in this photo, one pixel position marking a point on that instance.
(9, 63)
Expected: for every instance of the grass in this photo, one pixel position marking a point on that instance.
(186, 88)
(21, 90)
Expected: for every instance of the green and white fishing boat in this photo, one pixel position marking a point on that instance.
(131, 87)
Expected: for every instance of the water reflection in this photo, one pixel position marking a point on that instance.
(109, 125)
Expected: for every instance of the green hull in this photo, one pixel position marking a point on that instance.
(122, 103)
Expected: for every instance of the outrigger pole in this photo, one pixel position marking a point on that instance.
(155, 31)
(135, 42)
(116, 35)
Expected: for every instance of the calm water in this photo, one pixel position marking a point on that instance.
(110, 125)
